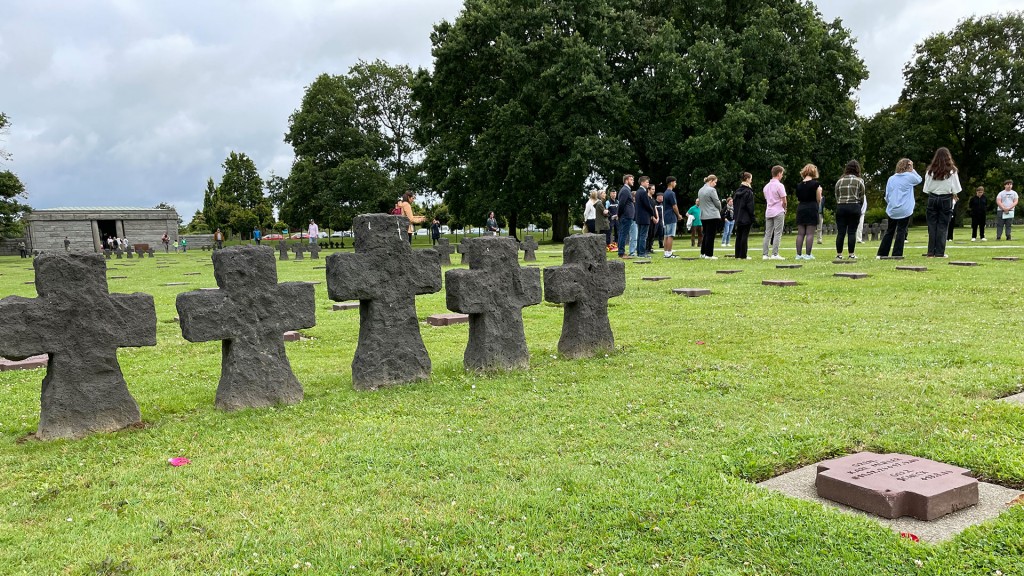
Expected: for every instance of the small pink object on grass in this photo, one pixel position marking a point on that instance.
(179, 461)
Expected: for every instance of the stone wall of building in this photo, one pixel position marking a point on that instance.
(9, 246)
(50, 235)
(150, 232)
(47, 228)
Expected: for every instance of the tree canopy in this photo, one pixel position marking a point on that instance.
(237, 204)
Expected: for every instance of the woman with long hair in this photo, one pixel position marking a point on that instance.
(590, 213)
(808, 195)
(941, 183)
(849, 198)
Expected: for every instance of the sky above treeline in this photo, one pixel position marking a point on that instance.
(133, 103)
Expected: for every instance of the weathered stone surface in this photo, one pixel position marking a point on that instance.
(314, 251)
(692, 292)
(779, 282)
(851, 275)
(119, 253)
(962, 263)
(655, 278)
(913, 268)
(461, 249)
(445, 250)
(844, 261)
(30, 363)
(895, 485)
(892, 257)
(80, 326)
(249, 312)
(584, 283)
(728, 271)
(299, 250)
(529, 248)
(789, 266)
(385, 275)
(447, 319)
(292, 336)
(282, 249)
(346, 306)
(493, 292)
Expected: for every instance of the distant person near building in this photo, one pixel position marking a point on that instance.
(166, 241)
(22, 249)
(313, 231)
(218, 239)
(67, 244)
(435, 232)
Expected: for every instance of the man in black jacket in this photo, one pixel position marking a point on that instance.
(627, 214)
(644, 215)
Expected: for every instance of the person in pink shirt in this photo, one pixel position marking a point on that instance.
(775, 215)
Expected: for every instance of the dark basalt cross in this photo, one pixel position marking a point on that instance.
(493, 292)
(314, 251)
(445, 250)
(249, 313)
(385, 275)
(282, 248)
(584, 283)
(119, 252)
(299, 250)
(130, 252)
(80, 325)
(461, 249)
(529, 247)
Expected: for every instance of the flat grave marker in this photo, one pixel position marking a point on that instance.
(1006, 258)
(779, 282)
(962, 263)
(641, 261)
(913, 268)
(789, 266)
(656, 278)
(447, 319)
(692, 292)
(891, 258)
(847, 261)
(338, 306)
(851, 275)
(728, 271)
(30, 363)
(176, 284)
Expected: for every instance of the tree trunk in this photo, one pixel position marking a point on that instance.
(560, 222)
(513, 224)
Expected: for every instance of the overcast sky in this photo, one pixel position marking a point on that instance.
(136, 102)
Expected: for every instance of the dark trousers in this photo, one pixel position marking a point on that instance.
(949, 229)
(939, 213)
(897, 231)
(847, 221)
(608, 235)
(742, 238)
(977, 225)
(641, 238)
(707, 246)
(592, 226)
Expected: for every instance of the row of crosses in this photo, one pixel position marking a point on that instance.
(80, 325)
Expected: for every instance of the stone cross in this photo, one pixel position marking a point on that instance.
(80, 325)
(314, 251)
(119, 252)
(445, 250)
(299, 249)
(529, 246)
(151, 252)
(107, 253)
(461, 249)
(249, 313)
(493, 292)
(130, 252)
(282, 248)
(385, 275)
(584, 283)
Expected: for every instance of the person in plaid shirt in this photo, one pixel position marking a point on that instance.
(849, 197)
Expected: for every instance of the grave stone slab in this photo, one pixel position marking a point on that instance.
(249, 312)
(789, 266)
(493, 291)
(692, 292)
(844, 261)
(962, 263)
(529, 247)
(779, 282)
(192, 274)
(728, 271)
(584, 283)
(116, 277)
(346, 306)
(447, 319)
(1015, 399)
(445, 250)
(385, 275)
(851, 275)
(314, 251)
(299, 250)
(119, 253)
(151, 252)
(30, 363)
(913, 268)
(319, 267)
(176, 284)
(291, 336)
(688, 259)
(896, 485)
(892, 257)
(80, 325)
(656, 278)
(1006, 258)
(107, 253)
(282, 248)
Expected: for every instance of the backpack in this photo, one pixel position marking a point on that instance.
(396, 211)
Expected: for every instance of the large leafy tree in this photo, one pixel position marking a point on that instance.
(338, 169)
(11, 208)
(237, 204)
(5, 123)
(527, 100)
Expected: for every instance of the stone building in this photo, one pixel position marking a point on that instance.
(87, 228)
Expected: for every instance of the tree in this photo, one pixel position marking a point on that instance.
(527, 100)
(5, 123)
(11, 209)
(166, 206)
(964, 89)
(198, 224)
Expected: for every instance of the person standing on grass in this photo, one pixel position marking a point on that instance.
(808, 196)
(728, 221)
(695, 224)
(743, 204)
(672, 216)
(941, 183)
(257, 236)
(67, 244)
(405, 206)
(1006, 201)
(657, 229)
(612, 206)
(184, 245)
(899, 207)
(313, 231)
(710, 215)
(166, 241)
(22, 249)
(601, 216)
(774, 215)
(435, 232)
(590, 213)
(627, 213)
(644, 216)
(979, 210)
(850, 192)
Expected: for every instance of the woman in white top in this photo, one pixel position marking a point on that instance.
(941, 183)
(590, 213)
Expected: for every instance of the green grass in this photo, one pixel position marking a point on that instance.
(641, 462)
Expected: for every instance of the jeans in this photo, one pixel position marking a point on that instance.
(847, 219)
(939, 213)
(625, 224)
(707, 247)
(897, 230)
(633, 234)
(1002, 223)
(727, 227)
(773, 234)
(641, 232)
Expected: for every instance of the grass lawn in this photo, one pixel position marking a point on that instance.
(642, 462)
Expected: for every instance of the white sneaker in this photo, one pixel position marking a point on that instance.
(766, 257)
(974, 239)
(809, 257)
(984, 239)
(711, 257)
(749, 258)
(777, 257)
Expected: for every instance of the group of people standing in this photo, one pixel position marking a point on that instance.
(632, 217)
